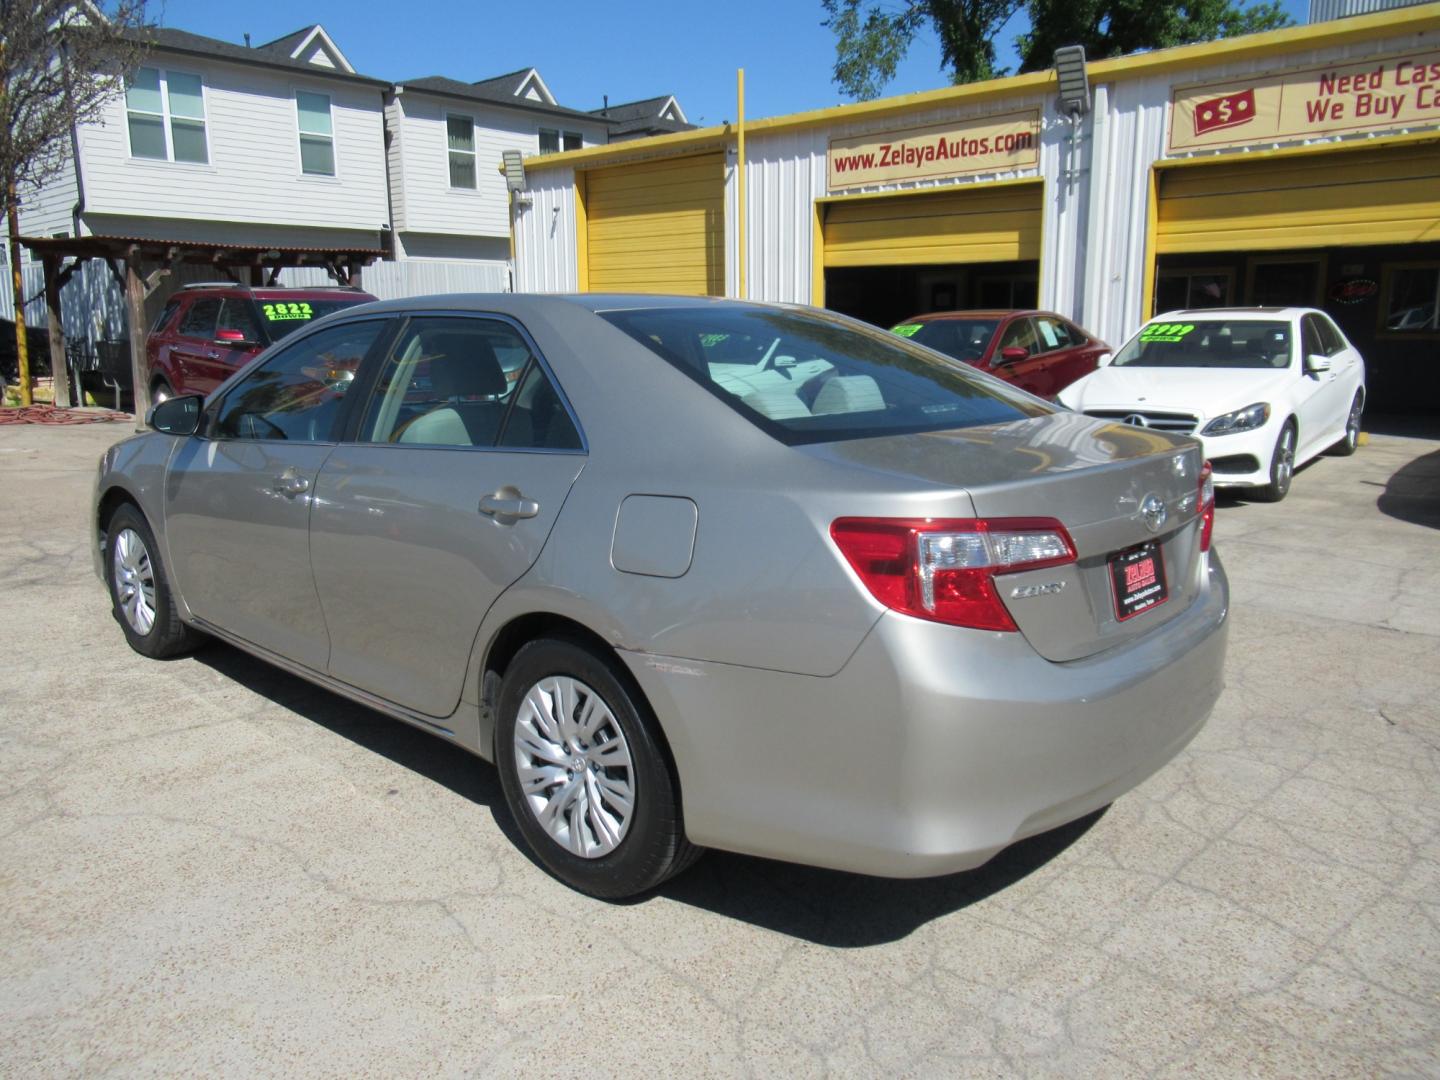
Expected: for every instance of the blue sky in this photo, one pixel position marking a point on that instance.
(584, 50)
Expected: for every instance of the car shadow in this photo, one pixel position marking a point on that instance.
(824, 907)
(1413, 492)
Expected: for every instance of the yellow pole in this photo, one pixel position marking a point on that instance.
(740, 174)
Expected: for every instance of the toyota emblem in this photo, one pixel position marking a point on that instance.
(1152, 509)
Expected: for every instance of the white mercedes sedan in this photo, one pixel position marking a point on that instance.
(1264, 389)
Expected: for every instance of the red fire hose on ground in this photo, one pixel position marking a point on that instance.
(49, 414)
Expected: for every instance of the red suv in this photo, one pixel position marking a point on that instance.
(207, 331)
(1038, 351)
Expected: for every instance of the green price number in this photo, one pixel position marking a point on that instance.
(1171, 332)
(907, 329)
(283, 310)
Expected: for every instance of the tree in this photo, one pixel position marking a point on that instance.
(60, 62)
(871, 40)
(1115, 27)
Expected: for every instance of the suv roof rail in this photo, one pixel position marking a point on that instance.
(277, 285)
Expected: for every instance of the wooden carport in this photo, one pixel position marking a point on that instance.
(140, 264)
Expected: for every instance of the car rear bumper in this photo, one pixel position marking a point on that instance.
(934, 747)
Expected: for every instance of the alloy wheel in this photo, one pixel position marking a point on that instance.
(574, 766)
(1285, 460)
(1352, 423)
(134, 581)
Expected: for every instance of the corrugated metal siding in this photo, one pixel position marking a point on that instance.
(1324, 10)
(545, 234)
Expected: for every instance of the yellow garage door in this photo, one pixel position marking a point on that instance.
(1350, 197)
(976, 224)
(657, 226)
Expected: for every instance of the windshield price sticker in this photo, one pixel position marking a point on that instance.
(1166, 332)
(291, 310)
(907, 329)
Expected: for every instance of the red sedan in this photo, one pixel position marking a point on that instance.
(1038, 351)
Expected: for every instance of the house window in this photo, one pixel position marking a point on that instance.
(1412, 299)
(165, 111)
(549, 141)
(317, 136)
(572, 140)
(460, 132)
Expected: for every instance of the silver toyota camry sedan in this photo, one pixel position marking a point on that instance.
(691, 573)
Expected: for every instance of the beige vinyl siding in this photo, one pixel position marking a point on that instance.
(1351, 197)
(978, 223)
(253, 174)
(657, 227)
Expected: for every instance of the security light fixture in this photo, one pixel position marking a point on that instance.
(1074, 83)
(514, 170)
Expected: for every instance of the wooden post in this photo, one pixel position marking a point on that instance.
(135, 315)
(355, 275)
(59, 369)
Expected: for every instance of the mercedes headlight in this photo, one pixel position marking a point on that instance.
(1246, 419)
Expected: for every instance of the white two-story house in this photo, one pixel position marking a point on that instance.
(282, 144)
(448, 199)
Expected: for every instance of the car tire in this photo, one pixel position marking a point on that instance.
(1282, 466)
(1350, 442)
(140, 594)
(575, 744)
(161, 390)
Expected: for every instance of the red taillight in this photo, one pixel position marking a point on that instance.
(1207, 506)
(943, 569)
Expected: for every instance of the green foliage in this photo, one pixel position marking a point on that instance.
(872, 36)
(1115, 27)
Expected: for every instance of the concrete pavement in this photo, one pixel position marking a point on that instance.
(207, 866)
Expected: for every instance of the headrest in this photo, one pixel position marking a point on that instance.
(463, 365)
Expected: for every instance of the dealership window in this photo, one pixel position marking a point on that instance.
(460, 134)
(1412, 299)
(1177, 289)
(552, 141)
(317, 133)
(165, 112)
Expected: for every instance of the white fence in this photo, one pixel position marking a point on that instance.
(92, 304)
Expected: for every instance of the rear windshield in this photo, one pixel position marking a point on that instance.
(964, 339)
(282, 317)
(1209, 343)
(808, 377)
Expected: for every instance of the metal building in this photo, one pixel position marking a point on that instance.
(1296, 166)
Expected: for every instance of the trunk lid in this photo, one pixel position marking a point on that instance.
(1096, 479)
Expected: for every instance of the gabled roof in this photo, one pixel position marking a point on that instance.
(303, 45)
(496, 91)
(664, 108)
(271, 56)
(525, 83)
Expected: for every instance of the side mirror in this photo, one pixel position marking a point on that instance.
(177, 416)
(1012, 353)
(1103, 360)
(232, 337)
(1315, 364)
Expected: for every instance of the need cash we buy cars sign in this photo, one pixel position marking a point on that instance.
(984, 144)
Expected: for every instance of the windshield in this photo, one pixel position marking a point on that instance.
(283, 317)
(808, 377)
(1209, 343)
(964, 339)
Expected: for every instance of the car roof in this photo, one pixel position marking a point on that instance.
(1239, 313)
(276, 290)
(977, 313)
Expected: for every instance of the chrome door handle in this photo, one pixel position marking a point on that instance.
(289, 483)
(508, 503)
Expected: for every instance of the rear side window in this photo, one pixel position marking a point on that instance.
(199, 321)
(807, 377)
(467, 382)
(163, 319)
